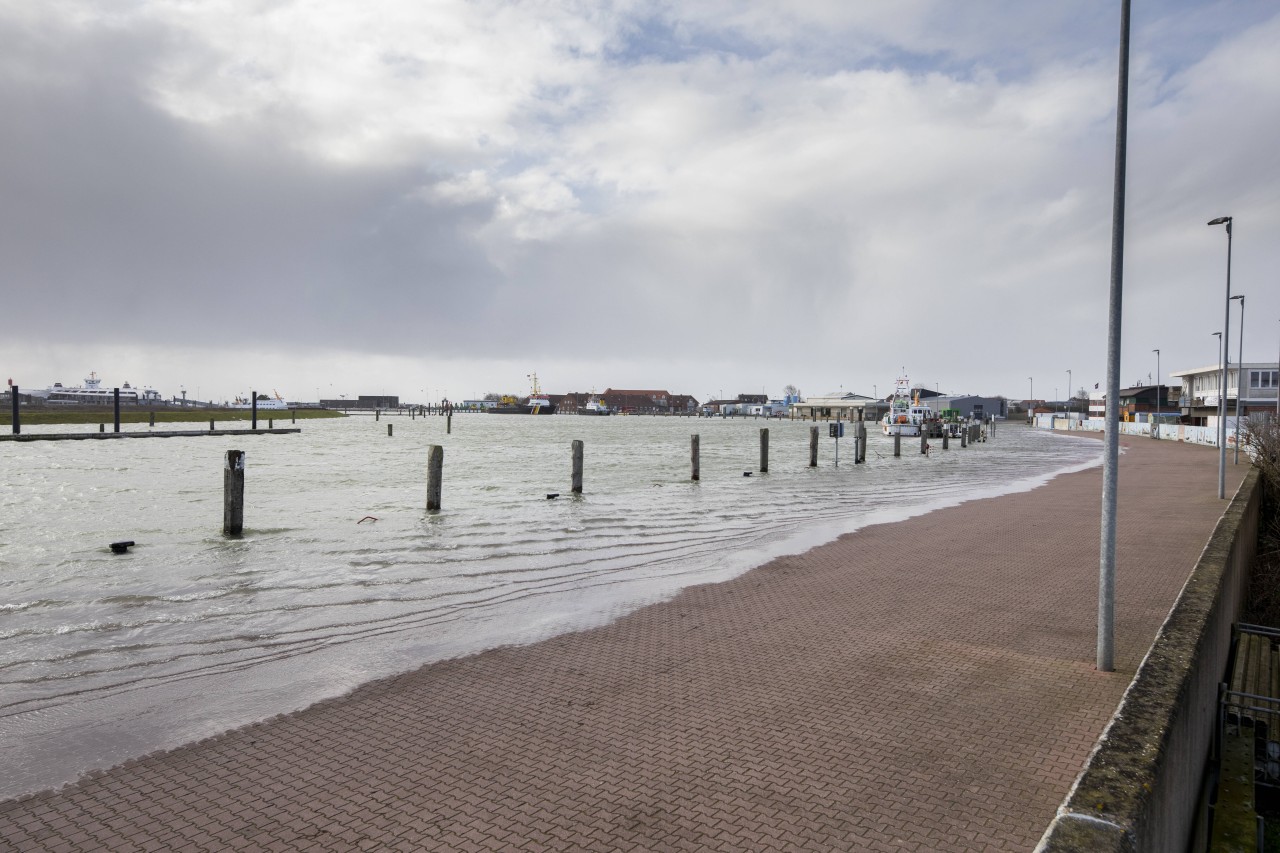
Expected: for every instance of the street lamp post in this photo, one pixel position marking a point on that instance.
(1159, 387)
(1111, 438)
(1219, 336)
(1031, 398)
(1239, 378)
(1069, 392)
(1222, 391)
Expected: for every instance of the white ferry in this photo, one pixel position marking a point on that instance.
(905, 416)
(93, 392)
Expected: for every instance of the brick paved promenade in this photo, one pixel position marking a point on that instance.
(926, 685)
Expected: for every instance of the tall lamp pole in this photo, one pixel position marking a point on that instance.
(1239, 378)
(1219, 335)
(1111, 438)
(1222, 390)
(1069, 391)
(1031, 403)
(1159, 387)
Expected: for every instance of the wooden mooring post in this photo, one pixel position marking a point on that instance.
(210, 424)
(813, 447)
(152, 419)
(435, 473)
(694, 461)
(233, 494)
(764, 450)
(924, 440)
(254, 396)
(115, 397)
(16, 421)
(946, 438)
(964, 436)
(860, 444)
(448, 423)
(897, 444)
(389, 430)
(576, 483)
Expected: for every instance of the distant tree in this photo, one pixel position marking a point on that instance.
(791, 391)
(493, 396)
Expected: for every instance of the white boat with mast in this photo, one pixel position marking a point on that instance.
(264, 402)
(906, 416)
(536, 403)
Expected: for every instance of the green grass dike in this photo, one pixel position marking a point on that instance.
(138, 415)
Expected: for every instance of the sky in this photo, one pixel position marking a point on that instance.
(437, 198)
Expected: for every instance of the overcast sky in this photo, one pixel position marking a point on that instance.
(438, 198)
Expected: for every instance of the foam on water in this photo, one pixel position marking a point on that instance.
(106, 657)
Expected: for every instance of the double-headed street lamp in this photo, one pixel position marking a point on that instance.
(1239, 378)
(1222, 391)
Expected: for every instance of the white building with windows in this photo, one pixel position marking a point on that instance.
(1201, 390)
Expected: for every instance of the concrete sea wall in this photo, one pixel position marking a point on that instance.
(1139, 789)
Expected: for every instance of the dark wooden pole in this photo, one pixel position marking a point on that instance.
(233, 494)
(694, 456)
(576, 487)
(764, 450)
(17, 423)
(813, 447)
(435, 472)
(115, 398)
(254, 397)
(897, 443)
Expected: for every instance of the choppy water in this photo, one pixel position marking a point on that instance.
(105, 657)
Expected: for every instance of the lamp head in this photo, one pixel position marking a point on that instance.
(1239, 296)
(1221, 220)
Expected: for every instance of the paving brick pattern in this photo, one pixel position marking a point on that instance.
(925, 685)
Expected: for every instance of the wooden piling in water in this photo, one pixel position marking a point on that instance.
(964, 437)
(813, 447)
(448, 423)
(897, 443)
(233, 493)
(210, 424)
(254, 397)
(16, 421)
(102, 427)
(115, 397)
(435, 472)
(946, 438)
(695, 462)
(152, 420)
(576, 482)
(924, 440)
(389, 430)
(764, 450)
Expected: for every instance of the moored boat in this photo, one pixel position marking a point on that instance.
(92, 392)
(595, 407)
(906, 416)
(264, 402)
(536, 403)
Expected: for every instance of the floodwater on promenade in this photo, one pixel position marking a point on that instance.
(104, 657)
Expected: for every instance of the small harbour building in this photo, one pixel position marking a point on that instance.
(845, 407)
